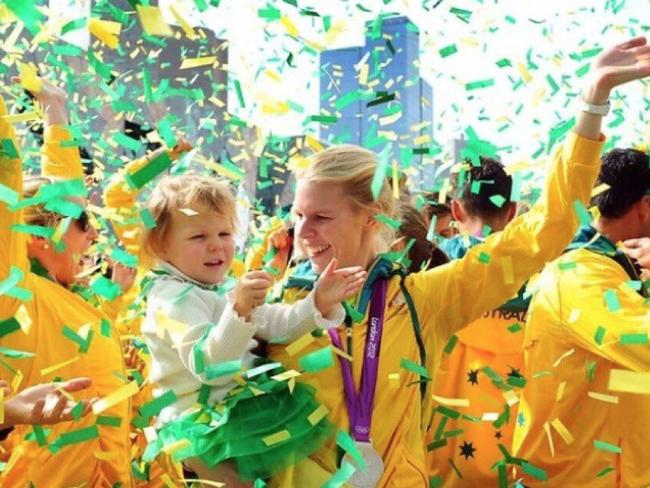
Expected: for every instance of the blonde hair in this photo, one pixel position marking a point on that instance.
(354, 168)
(37, 214)
(173, 193)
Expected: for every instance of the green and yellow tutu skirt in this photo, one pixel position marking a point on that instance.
(262, 426)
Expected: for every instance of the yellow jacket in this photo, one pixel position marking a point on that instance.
(575, 337)
(51, 308)
(446, 298)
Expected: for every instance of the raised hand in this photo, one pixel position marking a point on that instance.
(639, 250)
(250, 292)
(335, 285)
(45, 404)
(617, 65)
(51, 98)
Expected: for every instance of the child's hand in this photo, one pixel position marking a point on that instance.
(282, 242)
(335, 285)
(250, 292)
(123, 276)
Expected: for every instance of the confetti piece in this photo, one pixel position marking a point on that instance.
(448, 50)
(72, 437)
(606, 446)
(106, 31)
(563, 431)
(153, 22)
(317, 415)
(629, 381)
(27, 11)
(115, 397)
(2, 405)
(611, 299)
(345, 441)
(451, 402)
(413, 367)
(63, 364)
(535, 472)
(155, 406)
(105, 288)
(9, 326)
(317, 360)
(603, 398)
(474, 85)
(190, 63)
(341, 476)
(278, 437)
(299, 344)
(224, 368)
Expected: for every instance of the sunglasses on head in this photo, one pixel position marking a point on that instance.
(83, 221)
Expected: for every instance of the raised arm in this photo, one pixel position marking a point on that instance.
(490, 273)
(13, 245)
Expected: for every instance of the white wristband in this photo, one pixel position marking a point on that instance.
(594, 109)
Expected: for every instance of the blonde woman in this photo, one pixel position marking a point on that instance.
(407, 321)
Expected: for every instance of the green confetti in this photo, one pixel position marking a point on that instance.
(413, 367)
(148, 172)
(26, 11)
(9, 326)
(448, 50)
(240, 95)
(606, 446)
(77, 410)
(105, 288)
(600, 335)
(323, 119)
(581, 211)
(125, 258)
(503, 63)
(127, 142)
(611, 299)
(108, 421)
(8, 195)
(484, 257)
(155, 406)
(317, 360)
(345, 442)
(341, 476)
(15, 354)
(514, 328)
(35, 230)
(534, 471)
(79, 435)
(386, 220)
(147, 219)
(639, 339)
(474, 85)
(224, 368)
(498, 200)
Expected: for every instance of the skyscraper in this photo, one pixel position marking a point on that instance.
(373, 95)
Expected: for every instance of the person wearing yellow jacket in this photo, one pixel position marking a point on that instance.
(339, 213)
(481, 369)
(61, 334)
(583, 418)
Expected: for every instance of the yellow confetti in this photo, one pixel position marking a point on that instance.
(197, 62)
(116, 397)
(105, 455)
(24, 117)
(166, 323)
(317, 415)
(562, 430)
(286, 375)
(451, 402)
(395, 181)
(562, 357)
(341, 353)
(106, 31)
(525, 74)
(29, 77)
(23, 318)
(600, 189)
(559, 394)
(603, 398)
(506, 268)
(185, 25)
(291, 28)
(2, 405)
(299, 344)
(188, 211)
(511, 397)
(63, 364)
(276, 438)
(629, 381)
(216, 484)
(153, 22)
(547, 430)
(176, 446)
(17, 380)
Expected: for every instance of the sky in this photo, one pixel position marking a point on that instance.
(540, 36)
(543, 49)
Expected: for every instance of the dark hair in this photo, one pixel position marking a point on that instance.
(492, 181)
(433, 207)
(422, 253)
(627, 172)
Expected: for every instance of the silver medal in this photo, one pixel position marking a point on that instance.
(369, 477)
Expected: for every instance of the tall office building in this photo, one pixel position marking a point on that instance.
(373, 95)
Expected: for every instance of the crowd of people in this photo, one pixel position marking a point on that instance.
(367, 340)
